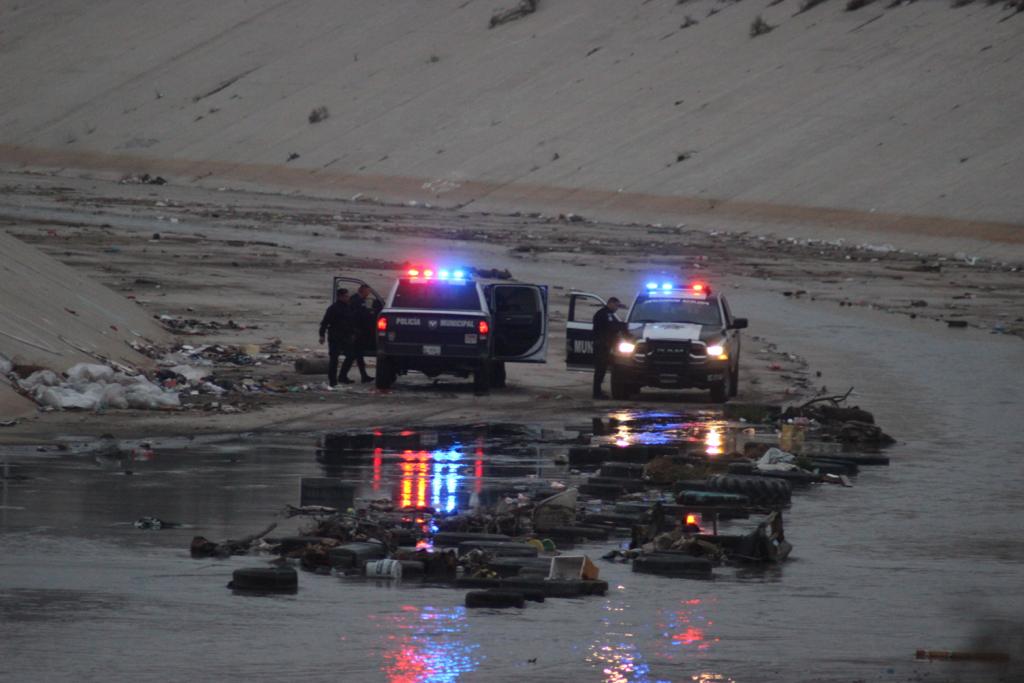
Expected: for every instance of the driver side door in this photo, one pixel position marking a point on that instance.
(579, 330)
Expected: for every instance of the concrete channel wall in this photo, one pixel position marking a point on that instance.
(54, 317)
(900, 120)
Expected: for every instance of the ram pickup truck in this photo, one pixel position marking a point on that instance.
(675, 337)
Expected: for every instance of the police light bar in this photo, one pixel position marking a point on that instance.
(692, 288)
(440, 273)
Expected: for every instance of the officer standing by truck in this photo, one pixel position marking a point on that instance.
(607, 328)
(336, 327)
(364, 333)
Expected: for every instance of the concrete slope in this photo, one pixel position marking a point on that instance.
(895, 114)
(53, 317)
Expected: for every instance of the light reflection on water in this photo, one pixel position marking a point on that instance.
(437, 468)
(644, 428)
(680, 635)
(426, 645)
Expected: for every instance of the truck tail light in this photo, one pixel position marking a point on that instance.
(483, 327)
(382, 324)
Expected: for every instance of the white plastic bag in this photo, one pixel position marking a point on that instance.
(777, 460)
(90, 372)
(190, 373)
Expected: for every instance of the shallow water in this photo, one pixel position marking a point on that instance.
(923, 554)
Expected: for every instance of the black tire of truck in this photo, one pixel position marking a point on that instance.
(722, 391)
(385, 372)
(622, 390)
(482, 379)
(498, 377)
(735, 388)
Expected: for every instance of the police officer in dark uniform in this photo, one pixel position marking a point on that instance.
(364, 320)
(607, 329)
(336, 327)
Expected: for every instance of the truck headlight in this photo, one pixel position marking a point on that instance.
(626, 347)
(717, 351)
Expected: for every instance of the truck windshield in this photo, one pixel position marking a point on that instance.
(435, 295)
(676, 311)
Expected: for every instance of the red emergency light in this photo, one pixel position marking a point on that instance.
(413, 272)
(382, 324)
(483, 327)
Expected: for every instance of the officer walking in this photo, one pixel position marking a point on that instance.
(607, 328)
(364, 321)
(337, 328)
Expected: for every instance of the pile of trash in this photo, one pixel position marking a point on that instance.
(88, 386)
(143, 179)
(845, 424)
(180, 325)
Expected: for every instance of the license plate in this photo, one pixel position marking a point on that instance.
(715, 378)
(471, 339)
(431, 350)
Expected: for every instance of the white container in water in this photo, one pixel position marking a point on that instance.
(384, 569)
(566, 567)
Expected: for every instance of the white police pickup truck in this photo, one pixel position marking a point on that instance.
(441, 321)
(676, 337)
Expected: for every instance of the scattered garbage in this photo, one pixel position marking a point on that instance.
(201, 547)
(523, 9)
(96, 387)
(192, 326)
(143, 179)
(154, 524)
(265, 580)
(319, 114)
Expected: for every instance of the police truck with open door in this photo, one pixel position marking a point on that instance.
(441, 321)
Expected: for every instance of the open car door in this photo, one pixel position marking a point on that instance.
(377, 304)
(579, 330)
(356, 284)
(519, 314)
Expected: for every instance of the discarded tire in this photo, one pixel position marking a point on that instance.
(587, 533)
(495, 599)
(355, 555)
(864, 459)
(451, 539)
(826, 466)
(265, 580)
(602, 491)
(673, 564)
(622, 470)
(573, 588)
(587, 456)
(513, 566)
(711, 498)
(626, 484)
(758, 490)
(499, 548)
